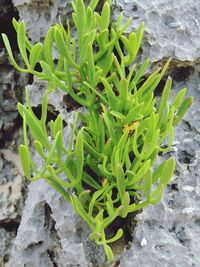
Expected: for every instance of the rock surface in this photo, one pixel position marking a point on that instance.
(172, 27)
(50, 234)
(46, 235)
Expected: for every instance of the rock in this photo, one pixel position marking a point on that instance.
(47, 231)
(172, 28)
(6, 238)
(11, 186)
(12, 87)
(41, 13)
(11, 201)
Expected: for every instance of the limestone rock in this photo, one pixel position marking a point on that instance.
(172, 28)
(40, 15)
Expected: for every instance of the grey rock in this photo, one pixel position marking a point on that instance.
(11, 91)
(47, 231)
(6, 242)
(11, 201)
(40, 15)
(172, 28)
(11, 186)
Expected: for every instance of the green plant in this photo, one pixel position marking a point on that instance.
(108, 162)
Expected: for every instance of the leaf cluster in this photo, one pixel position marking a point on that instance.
(109, 168)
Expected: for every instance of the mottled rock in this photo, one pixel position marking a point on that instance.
(172, 28)
(11, 201)
(47, 231)
(11, 91)
(6, 242)
(40, 15)
(10, 185)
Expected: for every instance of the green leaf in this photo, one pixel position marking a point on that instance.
(118, 115)
(157, 173)
(112, 99)
(60, 43)
(119, 21)
(105, 17)
(185, 105)
(102, 38)
(22, 43)
(105, 62)
(146, 184)
(117, 236)
(34, 125)
(139, 34)
(123, 90)
(44, 110)
(8, 48)
(81, 211)
(178, 99)
(120, 178)
(90, 18)
(151, 79)
(167, 171)
(59, 144)
(80, 21)
(163, 107)
(93, 4)
(94, 198)
(140, 174)
(90, 181)
(108, 123)
(109, 252)
(141, 71)
(157, 194)
(109, 208)
(84, 197)
(39, 149)
(79, 155)
(16, 26)
(35, 55)
(25, 160)
(48, 43)
(125, 203)
(58, 125)
(134, 114)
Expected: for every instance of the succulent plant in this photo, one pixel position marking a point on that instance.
(109, 161)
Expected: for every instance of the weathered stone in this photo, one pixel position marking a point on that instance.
(11, 201)
(172, 28)
(47, 231)
(40, 15)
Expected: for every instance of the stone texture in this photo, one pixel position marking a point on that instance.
(40, 15)
(172, 28)
(11, 200)
(12, 87)
(47, 231)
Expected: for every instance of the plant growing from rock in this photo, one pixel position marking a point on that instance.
(108, 162)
